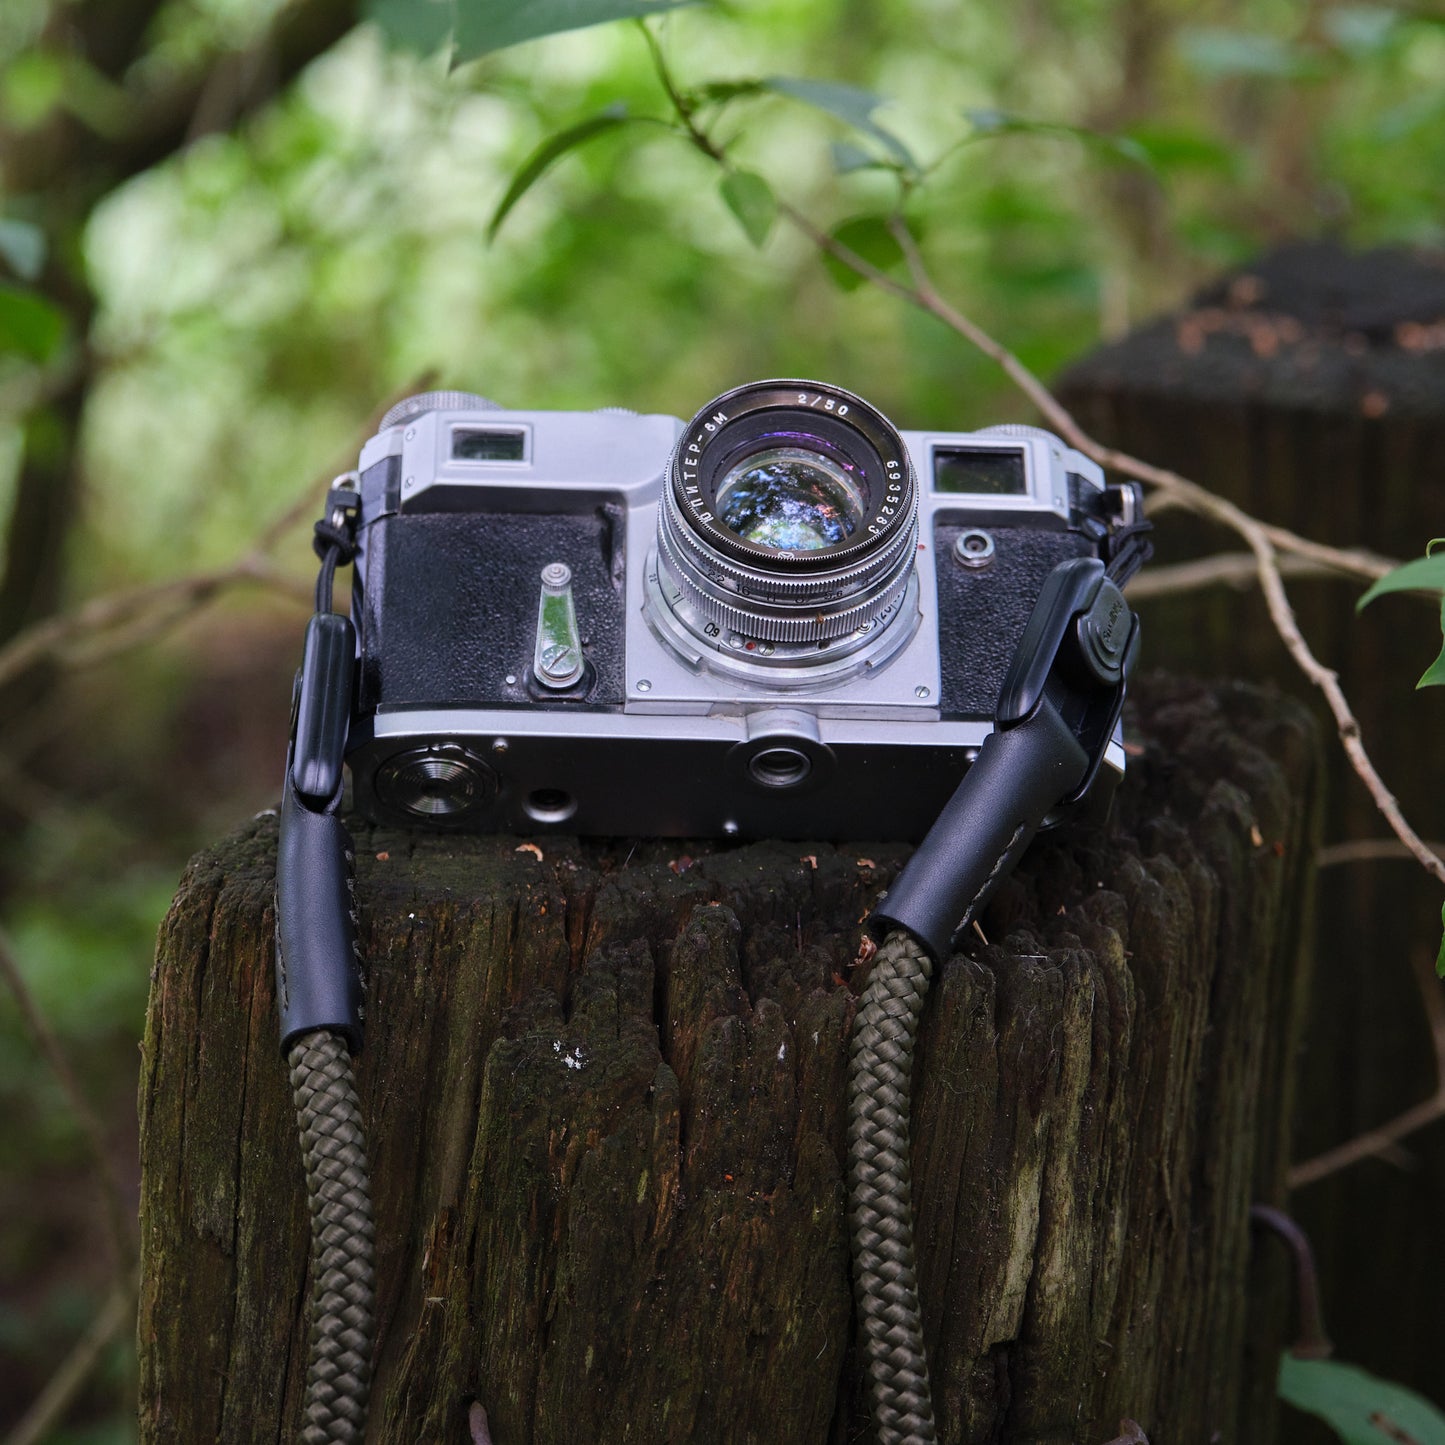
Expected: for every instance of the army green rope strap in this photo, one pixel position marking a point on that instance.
(333, 1148)
(880, 1193)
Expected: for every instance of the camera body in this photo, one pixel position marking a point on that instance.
(782, 619)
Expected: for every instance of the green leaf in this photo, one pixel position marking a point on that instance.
(750, 198)
(1424, 574)
(848, 158)
(1217, 53)
(870, 238)
(847, 103)
(551, 150)
(1359, 1407)
(1118, 147)
(1435, 673)
(23, 247)
(29, 326)
(1182, 148)
(420, 25)
(487, 25)
(720, 92)
(33, 84)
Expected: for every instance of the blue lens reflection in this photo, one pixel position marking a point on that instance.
(793, 498)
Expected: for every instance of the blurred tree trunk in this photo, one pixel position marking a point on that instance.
(1307, 388)
(61, 169)
(604, 1085)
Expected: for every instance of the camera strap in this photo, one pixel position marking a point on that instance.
(1057, 712)
(319, 999)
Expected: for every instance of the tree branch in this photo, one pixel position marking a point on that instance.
(113, 623)
(117, 621)
(1369, 850)
(1379, 1141)
(1225, 569)
(124, 1236)
(66, 1383)
(1263, 541)
(156, 120)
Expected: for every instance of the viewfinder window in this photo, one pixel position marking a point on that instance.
(488, 444)
(979, 471)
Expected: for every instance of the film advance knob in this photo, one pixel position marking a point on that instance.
(426, 401)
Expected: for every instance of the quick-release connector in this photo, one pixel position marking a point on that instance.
(1057, 710)
(318, 981)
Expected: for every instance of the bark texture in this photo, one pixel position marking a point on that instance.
(605, 1094)
(1309, 387)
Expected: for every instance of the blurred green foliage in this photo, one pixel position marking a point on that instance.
(262, 292)
(256, 296)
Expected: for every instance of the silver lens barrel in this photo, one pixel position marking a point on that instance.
(790, 515)
(788, 607)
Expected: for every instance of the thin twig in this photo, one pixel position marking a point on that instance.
(65, 1384)
(1370, 850)
(109, 624)
(116, 621)
(119, 1216)
(1224, 569)
(1379, 1141)
(1328, 683)
(1311, 1340)
(924, 294)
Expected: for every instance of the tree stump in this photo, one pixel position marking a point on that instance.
(604, 1085)
(1309, 387)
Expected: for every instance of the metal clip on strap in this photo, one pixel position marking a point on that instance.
(318, 984)
(1056, 713)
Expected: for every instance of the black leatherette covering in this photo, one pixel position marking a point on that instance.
(982, 611)
(449, 605)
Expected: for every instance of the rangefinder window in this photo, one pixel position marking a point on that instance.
(979, 472)
(488, 444)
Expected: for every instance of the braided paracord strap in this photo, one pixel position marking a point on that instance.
(333, 1151)
(880, 1192)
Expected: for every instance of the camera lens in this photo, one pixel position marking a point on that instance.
(790, 498)
(788, 528)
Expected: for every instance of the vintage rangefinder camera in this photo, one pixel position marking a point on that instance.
(783, 618)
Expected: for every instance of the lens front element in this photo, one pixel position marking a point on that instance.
(792, 498)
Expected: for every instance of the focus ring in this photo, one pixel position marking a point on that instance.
(813, 624)
(800, 589)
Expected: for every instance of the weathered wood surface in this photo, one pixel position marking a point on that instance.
(1309, 387)
(605, 1093)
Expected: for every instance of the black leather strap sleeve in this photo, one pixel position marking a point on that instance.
(1020, 775)
(318, 982)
